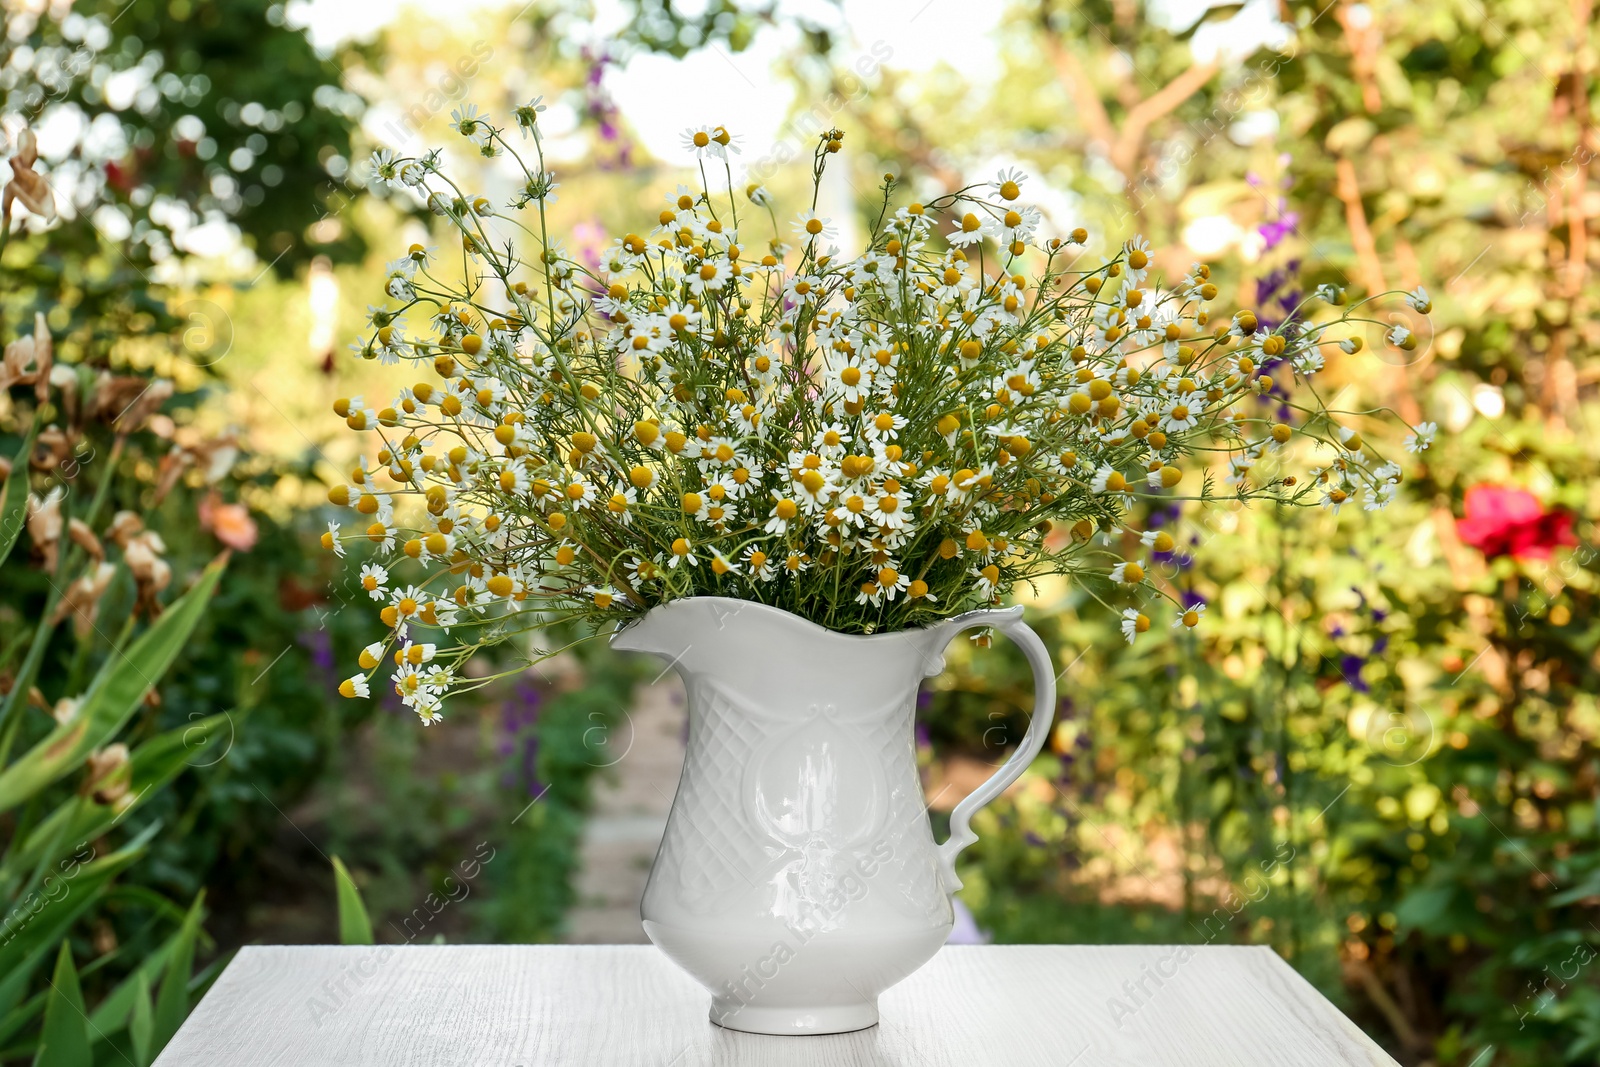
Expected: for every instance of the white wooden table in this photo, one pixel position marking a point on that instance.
(626, 1005)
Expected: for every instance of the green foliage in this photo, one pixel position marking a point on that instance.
(657, 25)
(110, 701)
(242, 117)
(172, 1002)
(14, 500)
(65, 1040)
(560, 743)
(354, 926)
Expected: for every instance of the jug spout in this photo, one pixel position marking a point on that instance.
(651, 634)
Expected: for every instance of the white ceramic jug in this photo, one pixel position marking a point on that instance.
(799, 877)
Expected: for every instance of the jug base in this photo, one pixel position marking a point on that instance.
(788, 1021)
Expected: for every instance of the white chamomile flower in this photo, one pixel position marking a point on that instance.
(429, 708)
(1179, 417)
(891, 582)
(355, 686)
(782, 514)
(622, 502)
(331, 541)
(831, 440)
(759, 565)
(1128, 572)
(682, 552)
(1008, 183)
(1422, 439)
(710, 276)
(1107, 479)
(1133, 623)
(386, 168)
(970, 229)
(527, 115)
(375, 580)
(581, 493)
(808, 226)
(1307, 363)
(1190, 617)
(1419, 301)
(466, 122)
(701, 141)
(1379, 496)
(398, 285)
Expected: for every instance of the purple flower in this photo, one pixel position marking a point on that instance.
(1275, 231)
(1161, 516)
(519, 725)
(320, 644)
(1350, 667)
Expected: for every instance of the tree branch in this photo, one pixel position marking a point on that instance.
(1355, 217)
(1163, 102)
(1070, 72)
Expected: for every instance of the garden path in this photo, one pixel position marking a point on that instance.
(630, 815)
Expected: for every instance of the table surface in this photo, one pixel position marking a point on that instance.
(626, 1005)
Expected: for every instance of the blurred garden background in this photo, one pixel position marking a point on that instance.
(1378, 754)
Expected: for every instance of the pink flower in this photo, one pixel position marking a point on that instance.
(1511, 522)
(230, 523)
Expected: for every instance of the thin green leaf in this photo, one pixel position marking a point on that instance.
(142, 1027)
(33, 933)
(14, 501)
(112, 699)
(172, 1003)
(355, 928)
(111, 1014)
(152, 766)
(65, 1041)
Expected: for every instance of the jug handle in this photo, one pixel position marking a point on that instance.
(1009, 622)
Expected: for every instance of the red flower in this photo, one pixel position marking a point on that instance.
(1511, 522)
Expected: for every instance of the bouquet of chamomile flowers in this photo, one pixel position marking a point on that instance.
(874, 440)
